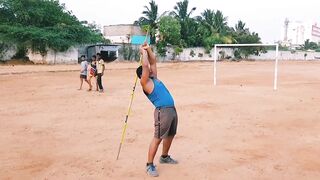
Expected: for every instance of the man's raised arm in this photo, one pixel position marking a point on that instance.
(152, 61)
(145, 67)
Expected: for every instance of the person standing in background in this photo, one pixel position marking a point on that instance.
(100, 72)
(84, 72)
(93, 71)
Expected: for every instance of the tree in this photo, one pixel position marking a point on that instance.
(248, 38)
(308, 45)
(169, 29)
(216, 38)
(215, 29)
(220, 22)
(240, 28)
(42, 24)
(188, 24)
(207, 21)
(150, 18)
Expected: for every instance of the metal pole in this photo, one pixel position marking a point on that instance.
(215, 66)
(275, 85)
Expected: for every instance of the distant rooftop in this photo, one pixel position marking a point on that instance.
(122, 30)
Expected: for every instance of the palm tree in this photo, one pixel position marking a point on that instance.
(207, 20)
(220, 22)
(183, 15)
(181, 10)
(150, 18)
(240, 28)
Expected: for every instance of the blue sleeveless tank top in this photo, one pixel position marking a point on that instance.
(160, 96)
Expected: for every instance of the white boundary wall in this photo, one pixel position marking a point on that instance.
(283, 55)
(215, 57)
(68, 57)
(287, 55)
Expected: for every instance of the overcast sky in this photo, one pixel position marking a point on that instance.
(264, 17)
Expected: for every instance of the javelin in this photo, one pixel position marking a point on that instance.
(130, 104)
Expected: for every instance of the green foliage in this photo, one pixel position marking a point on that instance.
(210, 41)
(150, 20)
(169, 29)
(21, 52)
(3, 49)
(161, 48)
(202, 31)
(309, 45)
(42, 24)
(237, 54)
(177, 51)
(242, 35)
(129, 53)
(220, 23)
(192, 53)
(188, 25)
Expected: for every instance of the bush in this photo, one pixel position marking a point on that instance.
(21, 52)
(129, 53)
(3, 49)
(237, 54)
(192, 54)
(161, 48)
(222, 54)
(177, 50)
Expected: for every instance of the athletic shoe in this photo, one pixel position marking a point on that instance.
(152, 171)
(167, 160)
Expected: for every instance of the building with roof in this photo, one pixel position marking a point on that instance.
(124, 33)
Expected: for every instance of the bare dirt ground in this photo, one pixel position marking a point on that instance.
(240, 129)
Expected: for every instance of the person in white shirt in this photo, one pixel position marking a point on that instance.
(84, 72)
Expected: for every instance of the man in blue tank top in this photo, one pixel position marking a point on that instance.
(165, 115)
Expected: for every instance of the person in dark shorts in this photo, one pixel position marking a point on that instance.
(84, 72)
(165, 114)
(100, 72)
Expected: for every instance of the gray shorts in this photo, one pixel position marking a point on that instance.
(165, 122)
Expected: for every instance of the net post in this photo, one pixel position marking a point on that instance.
(215, 66)
(275, 83)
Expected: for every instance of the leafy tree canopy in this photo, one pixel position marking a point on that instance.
(42, 24)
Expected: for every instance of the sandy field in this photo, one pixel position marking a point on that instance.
(240, 129)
